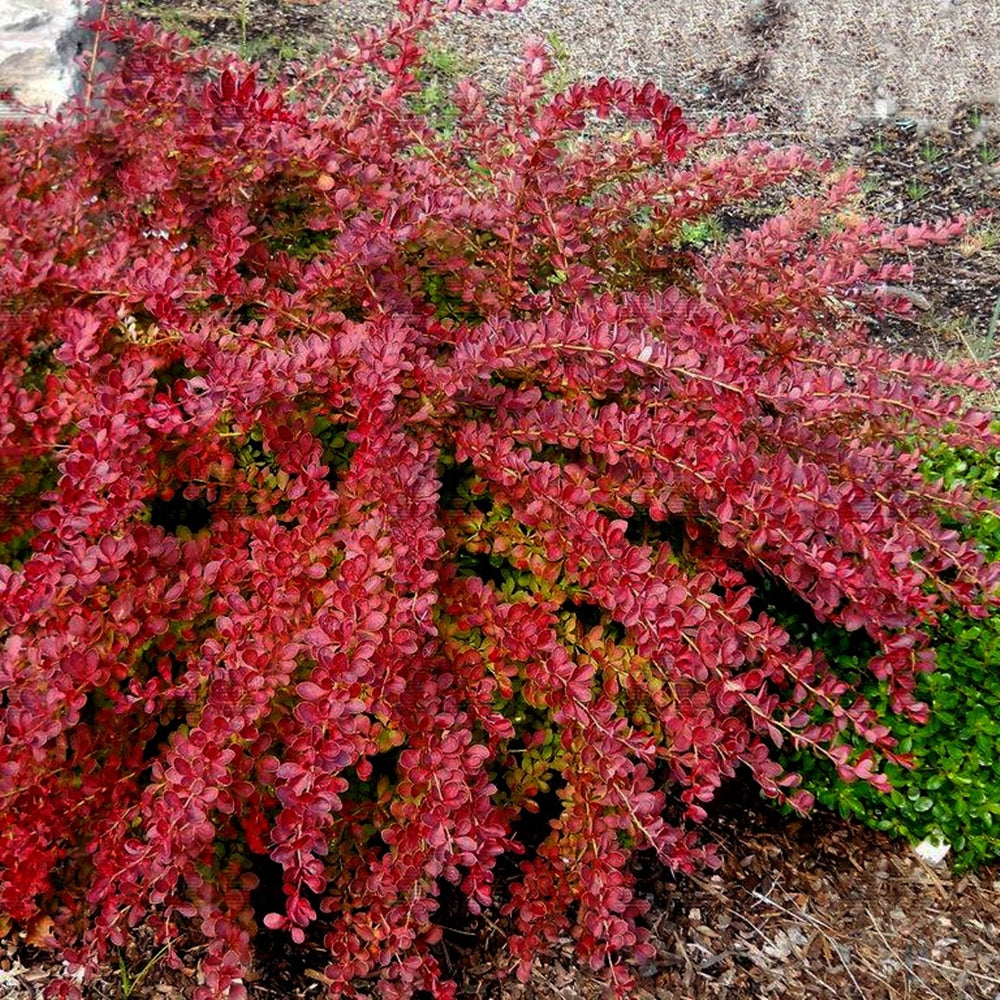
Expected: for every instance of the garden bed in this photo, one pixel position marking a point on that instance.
(800, 908)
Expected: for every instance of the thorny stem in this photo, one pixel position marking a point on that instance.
(88, 91)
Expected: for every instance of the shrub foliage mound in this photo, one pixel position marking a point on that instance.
(368, 489)
(952, 793)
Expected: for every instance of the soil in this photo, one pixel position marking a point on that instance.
(818, 908)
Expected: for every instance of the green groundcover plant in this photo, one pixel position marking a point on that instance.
(370, 489)
(952, 792)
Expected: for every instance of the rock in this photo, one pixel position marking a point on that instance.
(932, 851)
(36, 63)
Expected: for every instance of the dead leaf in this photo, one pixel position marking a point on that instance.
(39, 932)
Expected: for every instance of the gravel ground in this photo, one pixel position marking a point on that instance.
(822, 67)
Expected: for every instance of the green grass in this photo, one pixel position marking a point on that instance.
(930, 153)
(130, 983)
(170, 19)
(441, 70)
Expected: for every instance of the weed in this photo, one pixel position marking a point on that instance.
(128, 982)
(980, 238)
(870, 184)
(271, 46)
(991, 331)
(170, 19)
(562, 74)
(242, 17)
(917, 190)
(930, 153)
(700, 233)
(440, 70)
(978, 348)
(988, 155)
(444, 62)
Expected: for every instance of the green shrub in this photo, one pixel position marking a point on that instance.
(952, 793)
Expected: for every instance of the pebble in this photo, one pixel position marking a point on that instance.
(932, 851)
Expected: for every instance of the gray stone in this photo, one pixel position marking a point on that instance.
(31, 62)
(31, 23)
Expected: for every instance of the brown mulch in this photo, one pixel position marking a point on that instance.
(801, 909)
(818, 908)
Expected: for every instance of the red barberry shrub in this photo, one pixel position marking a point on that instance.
(367, 489)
